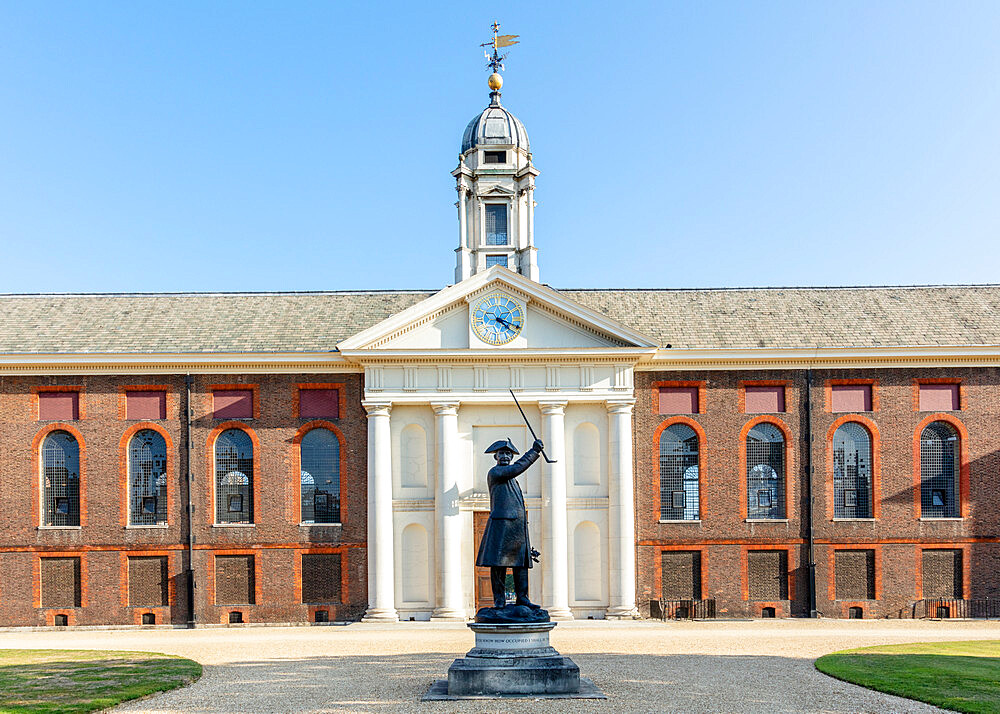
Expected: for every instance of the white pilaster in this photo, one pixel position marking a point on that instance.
(447, 520)
(621, 511)
(381, 604)
(555, 566)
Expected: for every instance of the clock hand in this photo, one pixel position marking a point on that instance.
(506, 324)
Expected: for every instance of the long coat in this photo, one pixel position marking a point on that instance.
(505, 541)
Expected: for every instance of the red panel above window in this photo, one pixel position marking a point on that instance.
(146, 404)
(678, 400)
(315, 403)
(938, 397)
(851, 398)
(764, 400)
(58, 406)
(232, 403)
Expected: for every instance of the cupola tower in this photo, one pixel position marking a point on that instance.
(495, 180)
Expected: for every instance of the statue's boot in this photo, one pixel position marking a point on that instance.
(527, 603)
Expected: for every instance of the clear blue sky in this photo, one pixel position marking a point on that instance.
(154, 146)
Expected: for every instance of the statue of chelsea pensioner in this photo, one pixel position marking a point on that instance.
(505, 542)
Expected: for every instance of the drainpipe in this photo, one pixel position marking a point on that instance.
(188, 380)
(809, 494)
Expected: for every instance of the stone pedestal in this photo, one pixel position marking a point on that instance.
(513, 660)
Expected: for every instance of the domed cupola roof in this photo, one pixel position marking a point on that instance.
(495, 125)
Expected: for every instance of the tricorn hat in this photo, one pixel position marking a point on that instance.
(502, 444)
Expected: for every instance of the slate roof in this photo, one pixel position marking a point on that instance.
(315, 322)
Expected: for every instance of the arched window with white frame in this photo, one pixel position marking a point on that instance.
(852, 471)
(679, 496)
(939, 471)
(234, 477)
(147, 477)
(319, 452)
(61, 479)
(765, 452)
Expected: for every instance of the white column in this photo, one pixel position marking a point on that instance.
(381, 580)
(447, 520)
(555, 563)
(463, 269)
(532, 251)
(621, 511)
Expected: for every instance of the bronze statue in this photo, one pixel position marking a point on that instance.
(505, 542)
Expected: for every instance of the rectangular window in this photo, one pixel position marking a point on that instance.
(60, 582)
(851, 398)
(855, 574)
(680, 575)
(764, 399)
(58, 406)
(938, 397)
(146, 404)
(234, 580)
(319, 403)
(678, 400)
(147, 581)
(496, 224)
(941, 573)
(494, 157)
(492, 260)
(767, 572)
(321, 577)
(232, 403)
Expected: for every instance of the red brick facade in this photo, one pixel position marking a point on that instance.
(104, 541)
(897, 535)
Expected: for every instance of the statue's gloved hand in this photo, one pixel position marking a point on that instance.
(538, 445)
(534, 555)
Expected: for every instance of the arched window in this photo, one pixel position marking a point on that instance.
(765, 472)
(61, 479)
(939, 464)
(147, 467)
(320, 479)
(679, 473)
(852, 472)
(234, 477)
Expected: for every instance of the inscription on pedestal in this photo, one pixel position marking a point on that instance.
(521, 641)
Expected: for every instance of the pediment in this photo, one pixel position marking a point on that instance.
(441, 322)
(497, 191)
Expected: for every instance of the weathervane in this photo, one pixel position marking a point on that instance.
(495, 60)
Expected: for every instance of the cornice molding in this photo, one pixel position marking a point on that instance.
(822, 358)
(180, 363)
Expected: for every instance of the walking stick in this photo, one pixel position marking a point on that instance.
(547, 459)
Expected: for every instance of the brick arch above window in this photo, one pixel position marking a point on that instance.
(876, 445)
(702, 460)
(36, 468)
(963, 462)
(789, 463)
(123, 475)
(294, 492)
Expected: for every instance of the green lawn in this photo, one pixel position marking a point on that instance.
(74, 681)
(963, 676)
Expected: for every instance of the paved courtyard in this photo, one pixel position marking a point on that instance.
(755, 666)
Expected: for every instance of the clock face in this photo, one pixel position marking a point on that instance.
(497, 319)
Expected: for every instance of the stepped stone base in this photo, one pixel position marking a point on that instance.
(513, 660)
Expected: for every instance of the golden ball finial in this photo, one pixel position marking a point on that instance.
(495, 81)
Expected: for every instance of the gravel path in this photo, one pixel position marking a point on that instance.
(753, 666)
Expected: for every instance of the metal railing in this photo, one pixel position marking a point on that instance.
(682, 609)
(971, 609)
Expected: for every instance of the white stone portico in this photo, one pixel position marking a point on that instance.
(437, 396)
